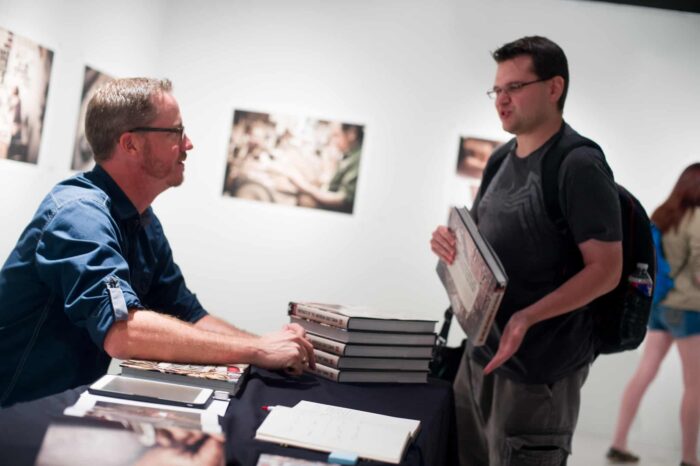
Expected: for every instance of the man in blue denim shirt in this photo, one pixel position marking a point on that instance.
(92, 277)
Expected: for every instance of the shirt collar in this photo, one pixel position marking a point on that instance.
(122, 206)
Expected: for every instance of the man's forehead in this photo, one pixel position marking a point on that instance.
(520, 65)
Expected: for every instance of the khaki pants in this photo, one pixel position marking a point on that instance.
(500, 422)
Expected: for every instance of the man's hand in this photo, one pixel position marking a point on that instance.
(443, 244)
(512, 338)
(286, 349)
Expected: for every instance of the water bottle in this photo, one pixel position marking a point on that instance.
(640, 281)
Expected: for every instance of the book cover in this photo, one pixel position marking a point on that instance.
(350, 362)
(365, 337)
(368, 376)
(74, 441)
(368, 351)
(359, 318)
(329, 428)
(229, 378)
(277, 460)
(476, 280)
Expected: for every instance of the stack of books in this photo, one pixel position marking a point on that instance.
(358, 344)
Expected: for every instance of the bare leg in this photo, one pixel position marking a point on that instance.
(689, 350)
(655, 349)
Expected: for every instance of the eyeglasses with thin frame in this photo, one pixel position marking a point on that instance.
(179, 130)
(510, 88)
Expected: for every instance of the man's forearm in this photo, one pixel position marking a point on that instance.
(216, 325)
(154, 336)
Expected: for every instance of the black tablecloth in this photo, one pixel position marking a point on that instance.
(22, 426)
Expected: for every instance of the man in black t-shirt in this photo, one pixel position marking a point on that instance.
(517, 397)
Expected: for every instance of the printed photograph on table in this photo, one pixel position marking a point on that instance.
(471, 160)
(293, 160)
(82, 152)
(25, 70)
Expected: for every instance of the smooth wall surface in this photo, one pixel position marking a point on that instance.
(415, 73)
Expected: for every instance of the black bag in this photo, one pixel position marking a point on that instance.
(620, 317)
(446, 359)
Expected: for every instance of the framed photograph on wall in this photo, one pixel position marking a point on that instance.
(471, 160)
(25, 71)
(82, 152)
(294, 160)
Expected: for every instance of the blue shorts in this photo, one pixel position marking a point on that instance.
(678, 322)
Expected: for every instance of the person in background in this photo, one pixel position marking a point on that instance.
(340, 194)
(517, 397)
(93, 277)
(676, 319)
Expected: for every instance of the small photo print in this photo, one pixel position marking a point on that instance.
(25, 71)
(292, 160)
(473, 155)
(82, 152)
(471, 160)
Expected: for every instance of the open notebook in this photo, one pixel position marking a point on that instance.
(334, 429)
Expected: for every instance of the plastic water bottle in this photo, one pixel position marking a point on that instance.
(641, 281)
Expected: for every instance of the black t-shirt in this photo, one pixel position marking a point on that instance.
(513, 218)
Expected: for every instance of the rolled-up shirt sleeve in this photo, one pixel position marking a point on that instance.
(79, 257)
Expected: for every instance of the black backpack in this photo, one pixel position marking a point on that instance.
(619, 317)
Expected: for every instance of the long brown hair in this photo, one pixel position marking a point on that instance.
(685, 196)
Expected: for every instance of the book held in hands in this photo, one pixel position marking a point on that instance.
(476, 280)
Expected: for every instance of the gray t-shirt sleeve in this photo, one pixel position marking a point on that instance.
(588, 197)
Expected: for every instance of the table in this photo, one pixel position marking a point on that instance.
(23, 426)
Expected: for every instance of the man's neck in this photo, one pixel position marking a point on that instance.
(530, 141)
(133, 185)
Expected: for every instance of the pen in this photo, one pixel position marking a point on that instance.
(268, 408)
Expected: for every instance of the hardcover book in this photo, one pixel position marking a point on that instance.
(368, 376)
(368, 351)
(349, 362)
(226, 378)
(329, 428)
(74, 441)
(476, 280)
(358, 318)
(364, 337)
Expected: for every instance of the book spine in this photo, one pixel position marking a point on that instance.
(492, 308)
(330, 360)
(318, 315)
(325, 372)
(324, 344)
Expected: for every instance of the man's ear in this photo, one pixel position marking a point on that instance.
(128, 143)
(556, 88)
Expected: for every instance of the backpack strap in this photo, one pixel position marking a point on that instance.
(492, 166)
(551, 163)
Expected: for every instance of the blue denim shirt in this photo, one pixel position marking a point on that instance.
(55, 305)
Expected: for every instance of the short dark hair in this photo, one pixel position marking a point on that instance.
(548, 59)
(358, 129)
(118, 106)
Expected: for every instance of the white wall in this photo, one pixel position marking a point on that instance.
(414, 72)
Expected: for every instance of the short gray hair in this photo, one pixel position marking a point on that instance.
(118, 106)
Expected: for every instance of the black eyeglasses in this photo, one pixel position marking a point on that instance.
(179, 130)
(511, 88)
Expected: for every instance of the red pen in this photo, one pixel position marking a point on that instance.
(268, 408)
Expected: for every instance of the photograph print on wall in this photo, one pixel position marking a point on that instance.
(25, 70)
(293, 160)
(82, 152)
